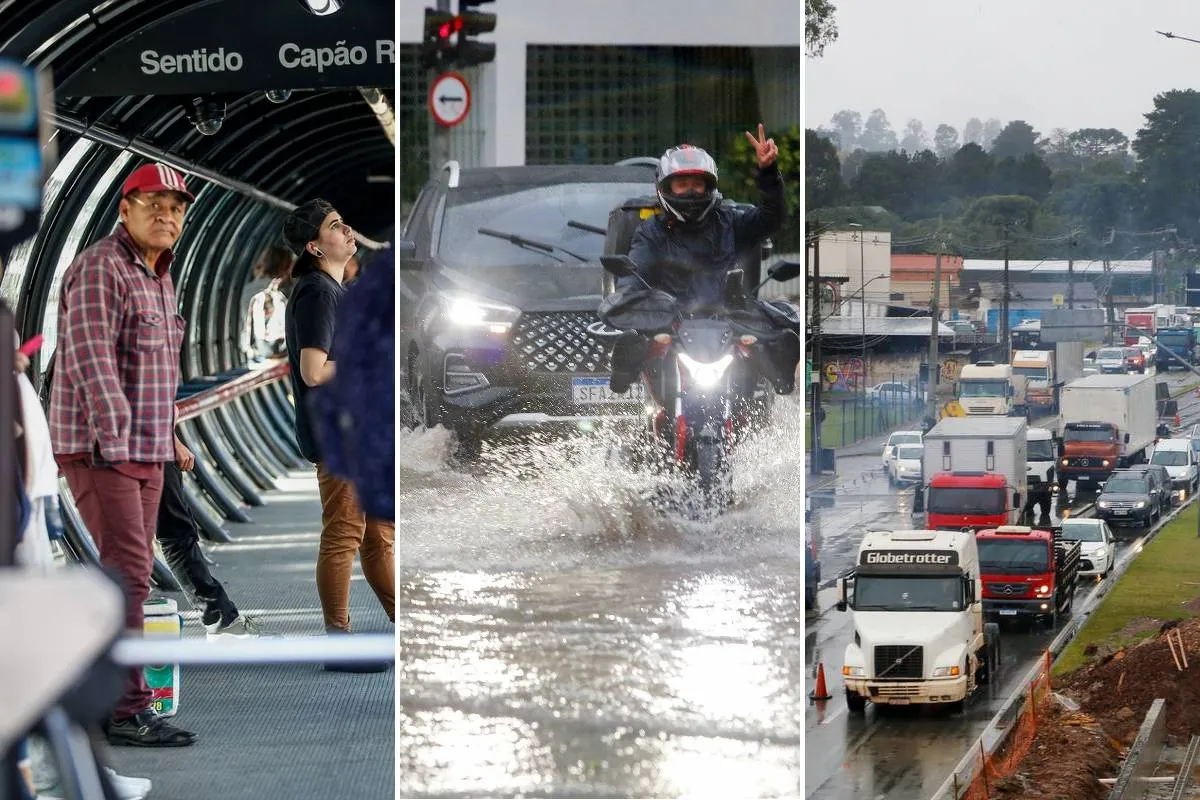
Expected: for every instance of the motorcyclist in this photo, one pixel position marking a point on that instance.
(687, 250)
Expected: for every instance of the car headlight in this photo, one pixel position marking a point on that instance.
(1103, 504)
(1042, 590)
(947, 672)
(470, 313)
(706, 375)
(1066, 462)
(1140, 504)
(1104, 463)
(853, 672)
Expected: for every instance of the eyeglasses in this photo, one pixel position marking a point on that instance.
(172, 208)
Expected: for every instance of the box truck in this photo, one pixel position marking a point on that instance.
(1106, 422)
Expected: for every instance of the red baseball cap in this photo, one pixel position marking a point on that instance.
(156, 178)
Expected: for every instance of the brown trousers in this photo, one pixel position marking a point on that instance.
(121, 512)
(345, 530)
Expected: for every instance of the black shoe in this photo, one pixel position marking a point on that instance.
(147, 729)
(360, 667)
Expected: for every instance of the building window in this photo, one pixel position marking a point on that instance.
(412, 123)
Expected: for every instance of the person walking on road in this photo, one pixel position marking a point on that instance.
(324, 243)
(112, 404)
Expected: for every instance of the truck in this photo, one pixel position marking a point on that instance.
(1106, 422)
(1140, 322)
(976, 472)
(920, 636)
(1040, 460)
(1047, 368)
(986, 388)
(1174, 347)
(1031, 572)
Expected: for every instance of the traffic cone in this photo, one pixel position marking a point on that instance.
(820, 693)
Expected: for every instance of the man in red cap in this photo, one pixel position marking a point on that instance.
(112, 403)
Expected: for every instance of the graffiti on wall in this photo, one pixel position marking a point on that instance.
(951, 367)
(842, 375)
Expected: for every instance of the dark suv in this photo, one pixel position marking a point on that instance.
(1135, 495)
(500, 280)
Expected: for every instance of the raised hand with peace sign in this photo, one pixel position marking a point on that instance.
(764, 149)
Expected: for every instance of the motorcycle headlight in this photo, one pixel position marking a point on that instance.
(705, 375)
(470, 313)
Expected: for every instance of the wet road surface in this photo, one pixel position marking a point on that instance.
(560, 638)
(901, 753)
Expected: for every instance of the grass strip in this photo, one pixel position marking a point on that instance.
(1160, 581)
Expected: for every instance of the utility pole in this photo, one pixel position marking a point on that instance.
(934, 313)
(1005, 334)
(815, 335)
(1108, 302)
(1071, 271)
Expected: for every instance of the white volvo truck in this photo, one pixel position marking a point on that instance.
(919, 637)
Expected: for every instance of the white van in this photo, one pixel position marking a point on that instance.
(1180, 461)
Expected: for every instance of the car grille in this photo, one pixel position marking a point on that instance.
(899, 661)
(559, 342)
(1008, 589)
(979, 409)
(1121, 504)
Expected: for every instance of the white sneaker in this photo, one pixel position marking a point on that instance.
(242, 627)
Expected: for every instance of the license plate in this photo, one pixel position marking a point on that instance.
(594, 391)
(1120, 512)
(1008, 612)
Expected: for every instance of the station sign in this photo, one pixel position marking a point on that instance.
(272, 44)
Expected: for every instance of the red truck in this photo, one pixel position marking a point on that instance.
(1027, 572)
(970, 501)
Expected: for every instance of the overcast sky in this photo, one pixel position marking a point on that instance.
(1053, 63)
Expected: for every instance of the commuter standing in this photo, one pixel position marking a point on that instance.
(112, 404)
(324, 243)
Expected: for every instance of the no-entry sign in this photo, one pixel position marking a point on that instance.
(449, 99)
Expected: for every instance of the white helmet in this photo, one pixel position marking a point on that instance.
(687, 160)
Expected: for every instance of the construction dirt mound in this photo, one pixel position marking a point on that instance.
(1072, 750)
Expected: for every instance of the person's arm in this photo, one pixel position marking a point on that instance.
(643, 251)
(756, 224)
(92, 325)
(315, 314)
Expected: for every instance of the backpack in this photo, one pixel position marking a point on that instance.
(354, 414)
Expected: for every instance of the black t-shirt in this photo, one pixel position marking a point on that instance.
(309, 322)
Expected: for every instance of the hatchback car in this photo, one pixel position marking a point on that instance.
(499, 286)
(1110, 360)
(1097, 545)
(893, 392)
(1135, 360)
(1179, 459)
(905, 464)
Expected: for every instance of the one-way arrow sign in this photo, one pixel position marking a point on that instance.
(449, 99)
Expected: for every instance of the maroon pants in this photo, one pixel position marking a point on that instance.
(119, 506)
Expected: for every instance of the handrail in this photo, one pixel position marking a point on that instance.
(207, 400)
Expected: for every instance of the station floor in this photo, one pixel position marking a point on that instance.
(272, 732)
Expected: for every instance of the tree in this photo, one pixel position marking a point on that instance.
(1169, 153)
(829, 133)
(973, 132)
(1058, 151)
(823, 184)
(992, 215)
(877, 133)
(970, 171)
(991, 129)
(914, 140)
(820, 28)
(848, 125)
(945, 141)
(1094, 144)
(1016, 139)
(884, 180)
(852, 163)
(1027, 175)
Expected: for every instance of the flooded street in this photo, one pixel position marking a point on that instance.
(559, 637)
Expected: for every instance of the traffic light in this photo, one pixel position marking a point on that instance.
(440, 26)
(469, 52)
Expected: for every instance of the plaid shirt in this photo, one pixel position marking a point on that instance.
(117, 371)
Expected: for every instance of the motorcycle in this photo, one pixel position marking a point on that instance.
(708, 371)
